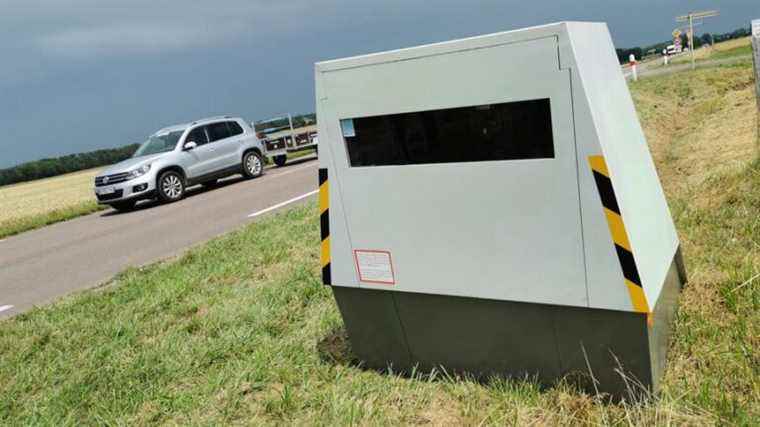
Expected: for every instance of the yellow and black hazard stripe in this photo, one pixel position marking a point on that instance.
(324, 225)
(619, 234)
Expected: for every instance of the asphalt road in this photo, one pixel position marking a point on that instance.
(40, 266)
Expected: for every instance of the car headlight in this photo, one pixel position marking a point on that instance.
(142, 170)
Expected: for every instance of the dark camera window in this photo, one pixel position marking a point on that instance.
(217, 131)
(508, 131)
(198, 136)
(235, 128)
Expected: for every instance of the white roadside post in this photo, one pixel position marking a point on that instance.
(632, 60)
(664, 57)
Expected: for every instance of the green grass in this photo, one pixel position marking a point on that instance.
(730, 53)
(240, 330)
(19, 225)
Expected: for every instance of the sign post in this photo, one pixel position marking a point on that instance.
(690, 17)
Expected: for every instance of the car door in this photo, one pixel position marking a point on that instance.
(234, 143)
(200, 160)
(225, 145)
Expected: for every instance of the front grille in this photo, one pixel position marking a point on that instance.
(112, 196)
(111, 179)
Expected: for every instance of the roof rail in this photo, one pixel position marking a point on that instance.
(211, 118)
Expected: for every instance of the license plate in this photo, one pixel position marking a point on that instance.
(106, 191)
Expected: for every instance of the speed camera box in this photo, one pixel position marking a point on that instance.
(489, 205)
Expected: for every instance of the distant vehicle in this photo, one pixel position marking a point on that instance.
(673, 49)
(280, 144)
(177, 157)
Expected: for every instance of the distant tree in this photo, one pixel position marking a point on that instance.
(45, 168)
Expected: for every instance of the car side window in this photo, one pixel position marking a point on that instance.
(235, 128)
(217, 131)
(198, 135)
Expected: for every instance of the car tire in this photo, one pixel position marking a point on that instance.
(280, 160)
(253, 165)
(124, 206)
(171, 186)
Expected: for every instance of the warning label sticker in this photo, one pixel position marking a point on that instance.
(375, 266)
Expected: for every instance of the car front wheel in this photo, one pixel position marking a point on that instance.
(171, 186)
(253, 166)
(280, 160)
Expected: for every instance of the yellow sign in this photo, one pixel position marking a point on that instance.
(676, 33)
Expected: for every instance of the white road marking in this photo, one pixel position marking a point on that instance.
(5, 307)
(279, 205)
(293, 170)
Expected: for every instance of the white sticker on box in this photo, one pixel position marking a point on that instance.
(374, 267)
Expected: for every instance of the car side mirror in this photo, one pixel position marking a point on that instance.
(190, 145)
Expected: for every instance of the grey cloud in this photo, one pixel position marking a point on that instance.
(82, 28)
(130, 38)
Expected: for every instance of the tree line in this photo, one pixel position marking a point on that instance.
(46, 168)
(657, 48)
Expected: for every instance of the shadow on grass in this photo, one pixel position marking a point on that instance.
(335, 349)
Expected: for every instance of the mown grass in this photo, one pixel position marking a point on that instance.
(240, 330)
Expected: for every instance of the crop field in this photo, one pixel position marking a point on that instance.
(241, 331)
(37, 203)
(727, 49)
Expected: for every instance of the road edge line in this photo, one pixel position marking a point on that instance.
(279, 205)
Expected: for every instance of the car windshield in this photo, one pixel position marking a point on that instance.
(159, 144)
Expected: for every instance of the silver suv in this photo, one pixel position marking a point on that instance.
(180, 156)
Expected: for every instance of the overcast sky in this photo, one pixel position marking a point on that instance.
(79, 75)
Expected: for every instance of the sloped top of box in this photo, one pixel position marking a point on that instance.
(468, 43)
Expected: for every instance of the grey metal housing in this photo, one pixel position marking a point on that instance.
(510, 265)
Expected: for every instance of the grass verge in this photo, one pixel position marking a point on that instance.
(240, 330)
(25, 223)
